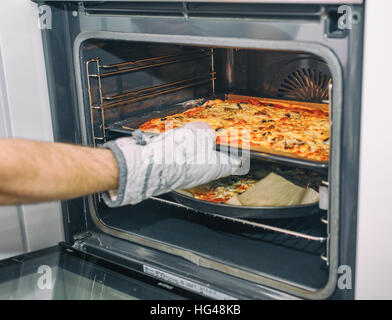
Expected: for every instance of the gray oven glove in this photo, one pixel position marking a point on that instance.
(176, 159)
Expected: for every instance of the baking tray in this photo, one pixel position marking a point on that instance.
(246, 212)
(131, 124)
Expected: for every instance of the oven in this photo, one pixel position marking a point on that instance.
(113, 65)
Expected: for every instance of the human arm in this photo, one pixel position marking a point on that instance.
(179, 158)
(32, 171)
(39, 171)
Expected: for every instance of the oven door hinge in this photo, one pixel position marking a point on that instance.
(80, 238)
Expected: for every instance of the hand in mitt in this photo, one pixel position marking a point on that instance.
(177, 159)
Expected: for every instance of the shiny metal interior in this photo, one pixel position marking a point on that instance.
(133, 79)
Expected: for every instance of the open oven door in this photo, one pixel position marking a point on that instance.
(59, 273)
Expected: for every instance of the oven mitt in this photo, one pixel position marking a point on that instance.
(179, 158)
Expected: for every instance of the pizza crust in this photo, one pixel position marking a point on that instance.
(234, 201)
(276, 191)
(185, 193)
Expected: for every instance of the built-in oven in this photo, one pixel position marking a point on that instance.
(112, 66)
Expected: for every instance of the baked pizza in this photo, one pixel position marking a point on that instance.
(224, 189)
(285, 127)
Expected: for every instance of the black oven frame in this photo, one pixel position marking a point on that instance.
(72, 24)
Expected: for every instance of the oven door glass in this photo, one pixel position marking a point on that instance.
(59, 274)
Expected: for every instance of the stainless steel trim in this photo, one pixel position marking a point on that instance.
(113, 104)
(100, 106)
(158, 64)
(120, 65)
(336, 73)
(169, 84)
(92, 108)
(213, 71)
(106, 102)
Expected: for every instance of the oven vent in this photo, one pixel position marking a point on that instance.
(304, 80)
(200, 9)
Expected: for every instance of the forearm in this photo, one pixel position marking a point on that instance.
(39, 171)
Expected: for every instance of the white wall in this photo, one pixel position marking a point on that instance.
(24, 113)
(374, 247)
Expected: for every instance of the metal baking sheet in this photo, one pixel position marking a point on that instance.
(131, 124)
(246, 212)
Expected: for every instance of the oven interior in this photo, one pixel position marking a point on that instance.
(125, 80)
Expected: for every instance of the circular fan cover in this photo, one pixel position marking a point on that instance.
(304, 80)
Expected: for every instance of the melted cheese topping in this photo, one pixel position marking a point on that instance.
(223, 189)
(301, 131)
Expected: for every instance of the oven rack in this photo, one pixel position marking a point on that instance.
(128, 125)
(290, 233)
(100, 100)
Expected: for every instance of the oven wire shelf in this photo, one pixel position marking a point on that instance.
(99, 101)
(290, 234)
(251, 223)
